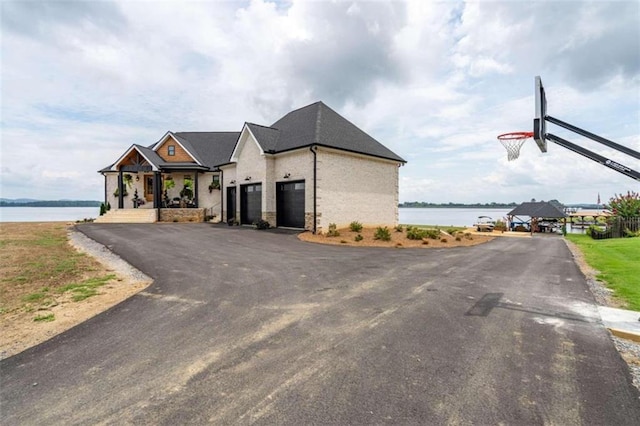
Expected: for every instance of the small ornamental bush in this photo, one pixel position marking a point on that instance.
(355, 226)
(444, 240)
(399, 228)
(434, 234)
(458, 238)
(415, 233)
(333, 231)
(451, 231)
(261, 224)
(358, 238)
(343, 241)
(425, 242)
(500, 226)
(382, 234)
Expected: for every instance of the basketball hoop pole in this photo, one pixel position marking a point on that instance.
(630, 152)
(540, 135)
(614, 165)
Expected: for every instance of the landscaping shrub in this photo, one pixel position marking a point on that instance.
(355, 226)
(333, 231)
(103, 209)
(382, 234)
(399, 228)
(444, 240)
(434, 234)
(261, 224)
(415, 233)
(500, 226)
(358, 238)
(451, 231)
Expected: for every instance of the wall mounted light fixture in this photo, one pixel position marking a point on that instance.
(287, 175)
(247, 178)
(137, 178)
(233, 182)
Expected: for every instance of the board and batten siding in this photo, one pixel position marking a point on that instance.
(181, 156)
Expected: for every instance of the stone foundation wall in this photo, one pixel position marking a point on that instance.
(182, 215)
(270, 217)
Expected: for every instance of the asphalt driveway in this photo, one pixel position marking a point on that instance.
(243, 327)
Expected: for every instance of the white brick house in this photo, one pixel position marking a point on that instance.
(307, 170)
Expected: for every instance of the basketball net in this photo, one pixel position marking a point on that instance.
(513, 142)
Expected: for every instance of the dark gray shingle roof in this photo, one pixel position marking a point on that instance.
(267, 136)
(537, 209)
(210, 148)
(317, 124)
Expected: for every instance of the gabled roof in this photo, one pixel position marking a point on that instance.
(317, 124)
(211, 148)
(148, 154)
(267, 137)
(537, 209)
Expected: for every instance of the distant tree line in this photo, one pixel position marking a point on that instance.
(52, 203)
(422, 204)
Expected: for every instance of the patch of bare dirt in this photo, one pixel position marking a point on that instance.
(36, 263)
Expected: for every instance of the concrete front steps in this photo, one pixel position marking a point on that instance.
(129, 216)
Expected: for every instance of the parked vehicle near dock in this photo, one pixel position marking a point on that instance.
(484, 224)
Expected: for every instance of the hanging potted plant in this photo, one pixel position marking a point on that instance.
(187, 192)
(116, 193)
(214, 185)
(128, 179)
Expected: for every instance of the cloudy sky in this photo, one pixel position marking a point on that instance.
(434, 81)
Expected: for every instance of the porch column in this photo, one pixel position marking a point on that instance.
(157, 193)
(120, 191)
(195, 196)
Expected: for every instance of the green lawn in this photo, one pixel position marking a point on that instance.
(618, 261)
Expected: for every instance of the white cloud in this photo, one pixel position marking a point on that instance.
(434, 81)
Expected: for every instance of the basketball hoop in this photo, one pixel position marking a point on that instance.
(513, 141)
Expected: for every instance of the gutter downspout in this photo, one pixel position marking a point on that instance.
(222, 196)
(105, 189)
(315, 175)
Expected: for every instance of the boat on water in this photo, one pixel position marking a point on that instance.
(484, 224)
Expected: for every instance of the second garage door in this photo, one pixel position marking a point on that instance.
(290, 204)
(250, 203)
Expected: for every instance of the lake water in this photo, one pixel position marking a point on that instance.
(414, 216)
(47, 214)
(448, 217)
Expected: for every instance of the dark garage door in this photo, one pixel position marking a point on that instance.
(250, 203)
(290, 204)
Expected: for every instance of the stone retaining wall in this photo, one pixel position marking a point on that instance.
(182, 215)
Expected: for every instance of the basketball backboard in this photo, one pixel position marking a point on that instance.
(539, 123)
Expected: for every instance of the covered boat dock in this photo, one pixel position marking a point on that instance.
(543, 216)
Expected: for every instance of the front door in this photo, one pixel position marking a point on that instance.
(148, 188)
(231, 203)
